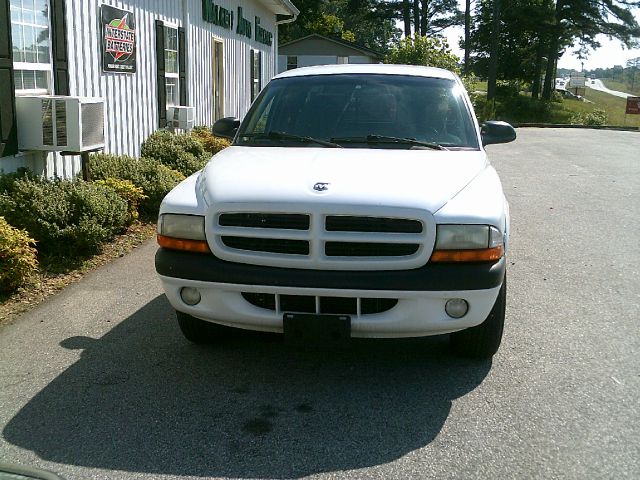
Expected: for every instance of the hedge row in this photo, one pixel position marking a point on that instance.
(154, 178)
(74, 218)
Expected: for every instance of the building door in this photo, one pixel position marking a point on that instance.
(217, 49)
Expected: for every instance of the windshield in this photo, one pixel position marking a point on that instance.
(360, 110)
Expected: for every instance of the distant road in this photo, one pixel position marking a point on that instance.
(598, 85)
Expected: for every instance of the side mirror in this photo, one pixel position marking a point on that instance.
(226, 127)
(494, 131)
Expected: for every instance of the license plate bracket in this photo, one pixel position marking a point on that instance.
(306, 328)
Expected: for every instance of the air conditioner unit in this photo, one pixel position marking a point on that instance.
(181, 117)
(56, 123)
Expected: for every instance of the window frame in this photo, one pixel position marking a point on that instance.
(174, 77)
(291, 65)
(19, 66)
(255, 74)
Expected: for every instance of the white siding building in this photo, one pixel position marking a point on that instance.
(140, 56)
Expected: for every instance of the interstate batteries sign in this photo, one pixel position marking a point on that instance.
(118, 39)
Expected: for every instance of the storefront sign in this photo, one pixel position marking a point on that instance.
(220, 16)
(118, 40)
(217, 15)
(633, 105)
(244, 25)
(263, 36)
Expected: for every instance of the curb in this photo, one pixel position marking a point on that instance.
(564, 125)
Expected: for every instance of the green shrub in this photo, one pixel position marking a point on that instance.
(179, 152)
(155, 179)
(18, 261)
(557, 97)
(8, 179)
(596, 118)
(66, 218)
(510, 88)
(209, 141)
(128, 192)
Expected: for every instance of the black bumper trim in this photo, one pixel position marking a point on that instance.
(431, 277)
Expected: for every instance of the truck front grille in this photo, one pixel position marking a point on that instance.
(323, 240)
(320, 305)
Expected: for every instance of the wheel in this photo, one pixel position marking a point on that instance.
(199, 331)
(482, 341)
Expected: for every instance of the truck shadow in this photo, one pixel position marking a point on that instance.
(143, 399)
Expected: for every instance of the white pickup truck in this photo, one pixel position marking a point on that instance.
(354, 201)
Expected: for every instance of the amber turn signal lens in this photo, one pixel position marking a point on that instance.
(199, 246)
(479, 255)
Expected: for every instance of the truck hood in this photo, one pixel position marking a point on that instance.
(424, 179)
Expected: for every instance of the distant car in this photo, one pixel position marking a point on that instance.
(569, 94)
(355, 201)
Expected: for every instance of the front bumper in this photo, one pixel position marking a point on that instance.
(421, 293)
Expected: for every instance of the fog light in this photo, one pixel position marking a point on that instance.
(456, 307)
(190, 296)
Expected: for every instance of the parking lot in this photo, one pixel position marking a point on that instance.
(99, 383)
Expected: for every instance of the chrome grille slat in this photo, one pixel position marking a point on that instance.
(369, 249)
(283, 221)
(352, 223)
(270, 245)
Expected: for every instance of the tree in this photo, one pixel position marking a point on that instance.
(428, 51)
(633, 64)
(494, 50)
(583, 20)
(436, 15)
(520, 33)
(367, 22)
(467, 36)
(330, 25)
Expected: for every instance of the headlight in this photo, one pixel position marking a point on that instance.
(467, 243)
(464, 237)
(182, 232)
(181, 226)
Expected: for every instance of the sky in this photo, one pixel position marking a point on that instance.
(611, 53)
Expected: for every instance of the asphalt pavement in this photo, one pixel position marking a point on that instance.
(98, 383)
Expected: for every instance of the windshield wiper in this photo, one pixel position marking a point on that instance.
(275, 135)
(387, 139)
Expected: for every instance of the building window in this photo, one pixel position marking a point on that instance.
(31, 45)
(256, 73)
(343, 60)
(171, 65)
(292, 62)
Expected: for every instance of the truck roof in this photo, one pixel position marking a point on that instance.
(384, 69)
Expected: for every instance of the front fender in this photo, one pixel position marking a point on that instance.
(482, 201)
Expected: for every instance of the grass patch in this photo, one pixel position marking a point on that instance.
(614, 106)
(624, 87)
(55, 274)
(523, 109)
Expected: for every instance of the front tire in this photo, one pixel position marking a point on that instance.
(482, 341)
(199, 331)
